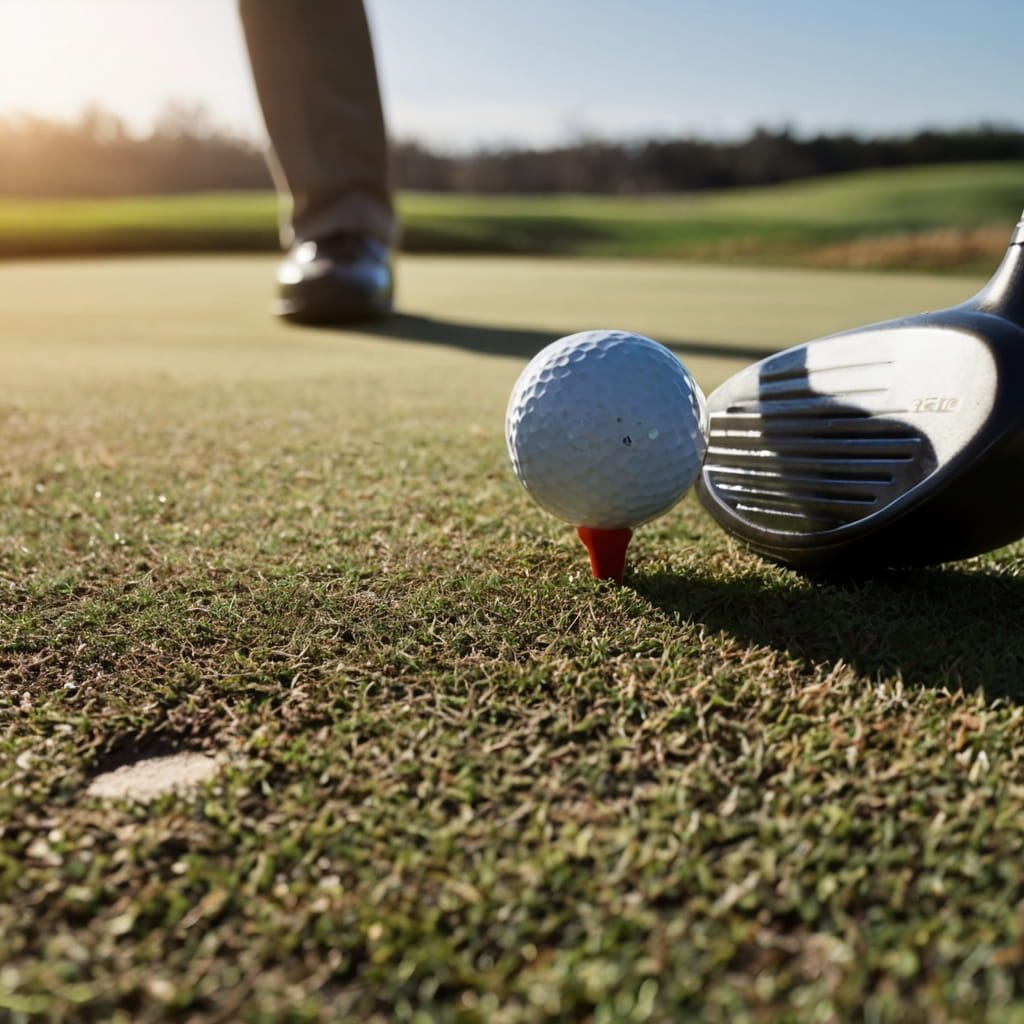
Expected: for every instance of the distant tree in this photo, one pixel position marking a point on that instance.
(187, 151)
(97, 156)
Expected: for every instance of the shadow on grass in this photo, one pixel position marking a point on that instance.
(940, 627)
(130, 749)
(524, 342)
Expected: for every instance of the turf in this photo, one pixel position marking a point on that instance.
(465, 781)
(953, 217)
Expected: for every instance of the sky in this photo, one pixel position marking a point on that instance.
(460, 74)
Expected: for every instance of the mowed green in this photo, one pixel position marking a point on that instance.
(950, 217)
(463, 781)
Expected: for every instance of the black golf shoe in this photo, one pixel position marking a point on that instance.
(341, 280)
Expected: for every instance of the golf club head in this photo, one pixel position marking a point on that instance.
(900, 443)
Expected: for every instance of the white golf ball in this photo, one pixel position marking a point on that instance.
(606, 429)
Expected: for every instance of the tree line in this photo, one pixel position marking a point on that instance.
(97, 156)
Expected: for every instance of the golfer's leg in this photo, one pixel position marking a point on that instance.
(313, 65)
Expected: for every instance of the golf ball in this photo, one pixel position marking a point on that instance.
(606, 429)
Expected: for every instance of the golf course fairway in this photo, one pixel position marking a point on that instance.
(451, 777)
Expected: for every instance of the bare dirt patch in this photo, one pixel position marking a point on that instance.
(150, 777)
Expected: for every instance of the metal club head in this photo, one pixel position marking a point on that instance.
(899, 443)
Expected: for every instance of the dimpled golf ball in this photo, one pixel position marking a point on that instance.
(606, 429)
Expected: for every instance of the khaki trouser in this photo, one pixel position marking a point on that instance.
(312, 61)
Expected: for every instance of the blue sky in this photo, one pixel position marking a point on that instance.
(462, 73)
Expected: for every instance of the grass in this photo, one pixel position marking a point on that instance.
(466, 782)
(953, 217)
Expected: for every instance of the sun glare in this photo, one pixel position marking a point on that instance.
(58, 57)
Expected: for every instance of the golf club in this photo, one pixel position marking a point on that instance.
(900, 443)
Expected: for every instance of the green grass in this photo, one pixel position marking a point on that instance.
(230, 221)
(466, 782)
(801, 222)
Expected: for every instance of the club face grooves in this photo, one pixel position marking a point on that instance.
(786, 458)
